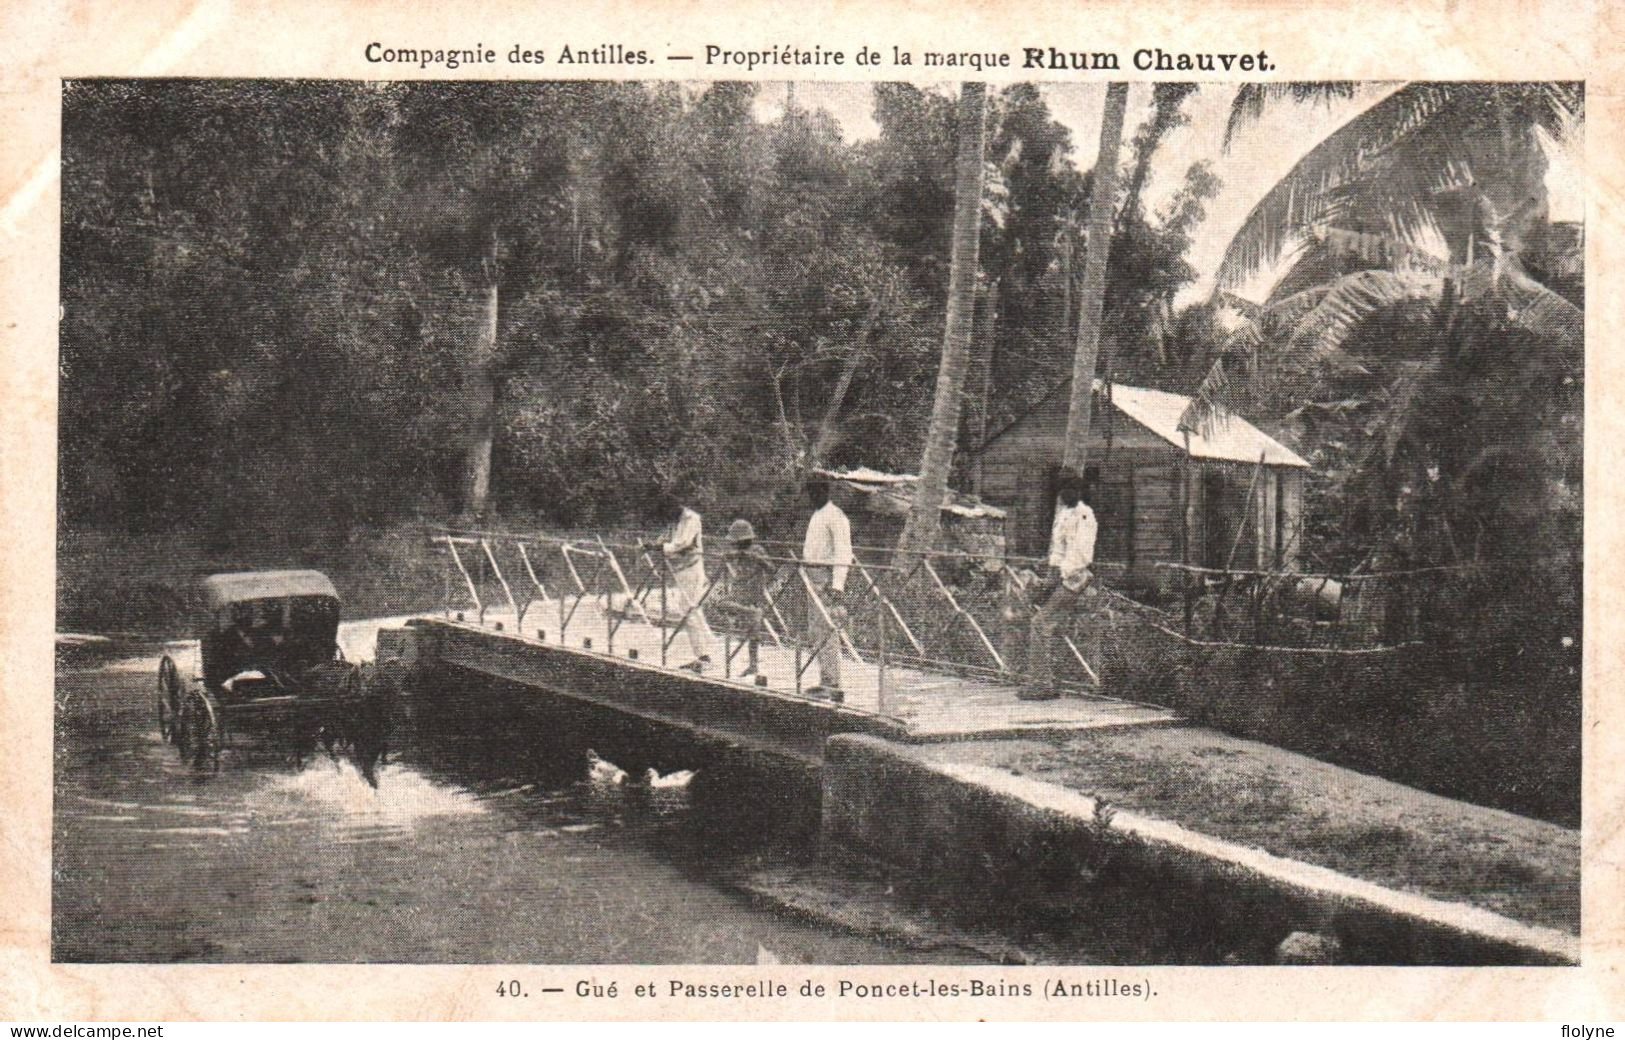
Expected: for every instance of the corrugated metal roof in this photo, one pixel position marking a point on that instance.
(1231, 438)
(1159, 411)
(242, 586)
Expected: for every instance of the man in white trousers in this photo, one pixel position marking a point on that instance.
(685, 556)
(826, 555)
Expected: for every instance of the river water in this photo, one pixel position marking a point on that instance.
(489, 837)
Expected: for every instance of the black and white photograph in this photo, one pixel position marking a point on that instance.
(813, 522)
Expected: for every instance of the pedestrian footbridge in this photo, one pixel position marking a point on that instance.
(928, 641)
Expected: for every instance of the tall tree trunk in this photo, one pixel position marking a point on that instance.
(1102, 200)
(480, 399)
(1066, 287)
(925, 516)
(987, 356)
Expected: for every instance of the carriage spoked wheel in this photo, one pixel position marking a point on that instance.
(200, 730)
(169, 697)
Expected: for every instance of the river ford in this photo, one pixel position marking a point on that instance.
(488, 838)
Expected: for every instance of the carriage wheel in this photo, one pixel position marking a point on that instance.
(200, 730)
(169, 697)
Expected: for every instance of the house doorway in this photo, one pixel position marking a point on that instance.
(1229, 520)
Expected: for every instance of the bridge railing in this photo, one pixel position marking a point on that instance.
(1331, 611)
(902, 612)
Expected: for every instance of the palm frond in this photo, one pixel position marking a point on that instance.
(1397, 162)
(1305, 195)
(1269, 319)
(1390, 251)
(1349, 302)
(1251, 99)
(1208, 410)
(1550, 315)
(1405, 395)
(1530, 305)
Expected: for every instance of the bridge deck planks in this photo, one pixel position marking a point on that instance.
(923, 705)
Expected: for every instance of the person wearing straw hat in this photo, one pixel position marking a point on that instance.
(749, 584)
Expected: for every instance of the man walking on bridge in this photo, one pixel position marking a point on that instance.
(826, 556)
(685, 558)
(1071, 554)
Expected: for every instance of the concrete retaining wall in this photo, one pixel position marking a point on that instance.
(1011, 845)
(729, 712)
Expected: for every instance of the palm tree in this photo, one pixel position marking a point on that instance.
(1432, 194)
(1405, 233)
(1102, 203)
(1450, 172)
(1428, 153)
(925, 516)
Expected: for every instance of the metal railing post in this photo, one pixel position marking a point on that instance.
(530, 572)
(473, 590)
(564, 621)
(518, 615)
(880, 638)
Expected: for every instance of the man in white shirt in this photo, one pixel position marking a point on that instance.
(685, 554)
(826, 557)
(1071, 555)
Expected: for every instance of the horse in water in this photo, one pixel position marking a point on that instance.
(355, 725)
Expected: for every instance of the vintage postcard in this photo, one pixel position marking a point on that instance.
(901, 511)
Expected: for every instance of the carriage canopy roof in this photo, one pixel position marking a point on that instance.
(222, 590)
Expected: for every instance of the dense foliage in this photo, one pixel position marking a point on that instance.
(275, 295)
(1426, 343)
(277, 302)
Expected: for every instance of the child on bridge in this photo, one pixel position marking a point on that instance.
(751, 581)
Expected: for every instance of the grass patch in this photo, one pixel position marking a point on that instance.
(1300, 808)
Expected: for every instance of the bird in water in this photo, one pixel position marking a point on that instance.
(603, 771)
(680, 778)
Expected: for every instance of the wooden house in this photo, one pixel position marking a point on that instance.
(1232, 498)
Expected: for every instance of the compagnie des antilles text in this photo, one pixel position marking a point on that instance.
(1144, 59)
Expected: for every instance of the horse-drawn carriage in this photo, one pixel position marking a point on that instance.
(268, 646)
